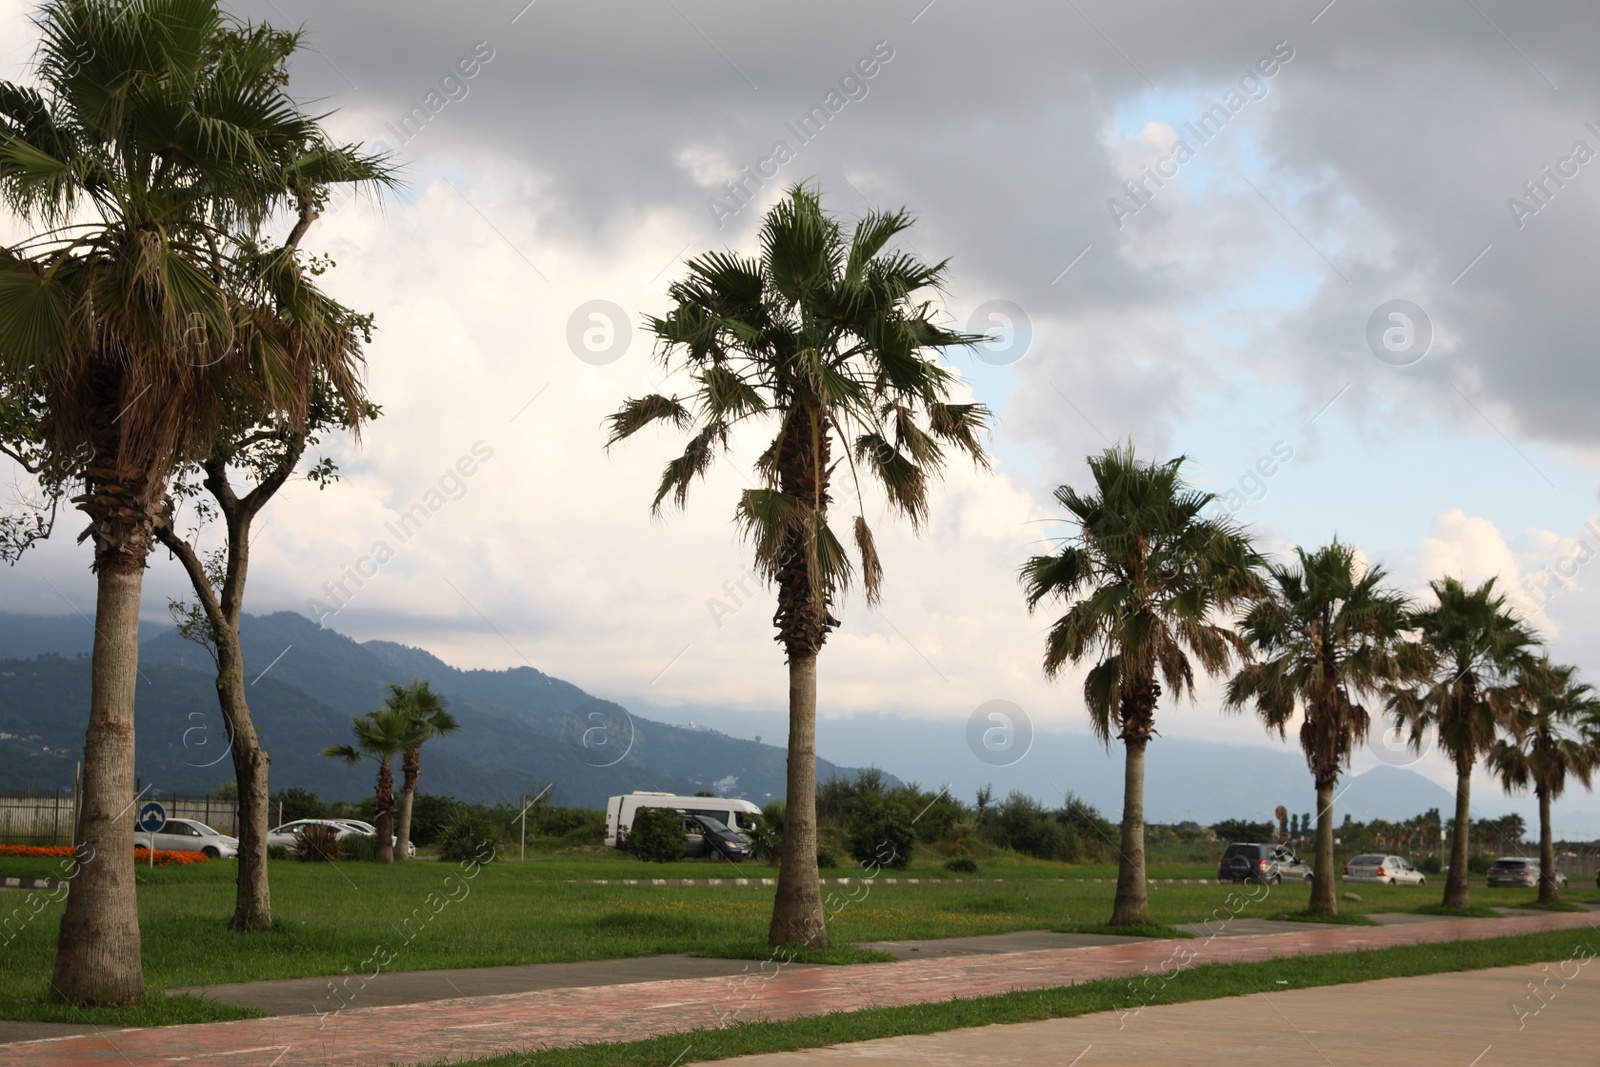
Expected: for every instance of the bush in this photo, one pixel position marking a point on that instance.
(318, 844)
(962, 865)
(277, 852)
(361, 847)
(826, 860)
(468, 836)
(296, 804)
(658, 835)
(1479, 863)
(881, 833)
(1431, 865)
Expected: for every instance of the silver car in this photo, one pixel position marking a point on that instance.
(187, 835)
(284, 835)
(1376, 868)
(1515, 870)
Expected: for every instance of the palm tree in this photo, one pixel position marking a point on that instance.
(382, 736)
(162, 138)
(1476, 645)
(423, 706)
(1145, 580)
(1326, 633)
(1551, 716)
(820, 340)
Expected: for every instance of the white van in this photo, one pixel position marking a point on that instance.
(620, 811)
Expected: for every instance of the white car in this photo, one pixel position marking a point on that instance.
(187, 835)
(372, 831)
(1378, 869)
(284, 835)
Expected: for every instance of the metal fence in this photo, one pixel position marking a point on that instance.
(48, 819)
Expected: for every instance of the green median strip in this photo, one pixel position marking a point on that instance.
(1207, 982)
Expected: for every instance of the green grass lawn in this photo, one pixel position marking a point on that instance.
(331, 917)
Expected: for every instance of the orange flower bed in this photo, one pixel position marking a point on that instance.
(47, 851)
(142, 855)
(170, 859)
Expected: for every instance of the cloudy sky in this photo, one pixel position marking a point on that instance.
(1337, 254)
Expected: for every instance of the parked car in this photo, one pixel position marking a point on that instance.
(187, 835)
(1375, 868)
(1251, 862)
(284, 835)
(710, 836)
(1515, 870)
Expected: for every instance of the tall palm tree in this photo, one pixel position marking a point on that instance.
(1148, 581)
(1477, 647)
(161, 137)
(820, 340)
(1548, 741)
(1326, 633)
(382, 736)
(423, 706)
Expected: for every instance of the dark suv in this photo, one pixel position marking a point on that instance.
(1261, 863)
(708, 836)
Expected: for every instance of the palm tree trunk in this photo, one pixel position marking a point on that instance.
(797, 917)
(1324, 901)
(403, 834)
(1132, 905)
(1455, 883)
(253, 900)
(383, 814)
(1548, 891)
(411, 769)
(98, 952)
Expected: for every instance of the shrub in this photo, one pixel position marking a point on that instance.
(169, 859)
(826, 860)
(296, 804)
(318, 844)
(1479, 863)
(361, 847)
(962, 865)
(277, 852)
(881, 833)
(468, 836)
(658, 835)
(1431, 865)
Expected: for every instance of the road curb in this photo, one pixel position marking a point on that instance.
(714, 882)
(30, 883)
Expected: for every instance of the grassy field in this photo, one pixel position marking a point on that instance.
(332, 917)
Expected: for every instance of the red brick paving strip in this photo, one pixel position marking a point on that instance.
(474, 1027)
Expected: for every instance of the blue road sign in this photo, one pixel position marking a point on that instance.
(152, 817)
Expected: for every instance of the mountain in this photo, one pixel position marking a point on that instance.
(521, 729)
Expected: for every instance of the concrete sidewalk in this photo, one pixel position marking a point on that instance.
(1473, 1019)
(471, 1027)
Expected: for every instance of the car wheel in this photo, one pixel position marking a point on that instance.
(1310, 879)
(1391, 881)
(211, 853)
(1422, 881)
(1277, 879)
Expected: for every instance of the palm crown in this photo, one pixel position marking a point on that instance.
(1477, 647)
(1327, 633)
(1552, 730)
(821, 339)
(145, 311)
(1147, 580)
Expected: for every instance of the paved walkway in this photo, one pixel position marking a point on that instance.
(1453, 1019)
(522, 1022)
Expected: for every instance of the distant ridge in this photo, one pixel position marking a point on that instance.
(521, 728)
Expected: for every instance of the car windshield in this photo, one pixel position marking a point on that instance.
(1243, 850)
(1367, 861)
(714, 825)
(1511, 865)
(204, 831)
